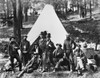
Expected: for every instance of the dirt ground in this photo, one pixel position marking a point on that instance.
(61, 74)
(37, 74)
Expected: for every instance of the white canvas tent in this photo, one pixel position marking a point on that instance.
(48, 21)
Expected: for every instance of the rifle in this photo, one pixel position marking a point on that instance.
(26, 67)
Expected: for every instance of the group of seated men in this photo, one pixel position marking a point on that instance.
(44, 54)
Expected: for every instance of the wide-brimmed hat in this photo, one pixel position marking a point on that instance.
(48, 35)
(45, 32)
(12, 37)
(41, 33)
(58, 45)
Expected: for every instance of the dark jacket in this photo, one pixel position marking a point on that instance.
(58, 53)
(50, 46)
(13, 48)
(25, 45)
(42, 44)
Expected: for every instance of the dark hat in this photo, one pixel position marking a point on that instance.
(45, 32)
(68, 37)
(59, 45)
(12, 37)
(13, 42)
(48, 35)
(41, 33)
(36, 44)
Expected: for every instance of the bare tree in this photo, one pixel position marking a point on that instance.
(90, 9)
(26, 4)
(17, 11)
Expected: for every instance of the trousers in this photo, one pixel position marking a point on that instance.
(16, 56)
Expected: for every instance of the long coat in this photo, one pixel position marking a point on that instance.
(49, 51)
(13, 48)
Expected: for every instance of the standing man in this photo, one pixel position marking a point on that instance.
(42, 42)
(42, 45)
(68, 47)
(25, 45)
(49, 50)
(13, 53)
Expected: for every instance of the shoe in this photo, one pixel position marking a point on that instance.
(79, 73)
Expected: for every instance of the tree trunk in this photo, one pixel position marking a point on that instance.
(20, 15)
(90, 10)
(17, 19)
(96, 46)
(26, 16)
(85, 8)
(4, 16)
(93, 3)
(66, 6)
(80, 11)
(78, 7)
(7, 14)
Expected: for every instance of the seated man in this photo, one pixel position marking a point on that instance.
(58, 52)
(61, 58)
(78, 59)
(35, 62)
(91, 64)
(33, 65)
